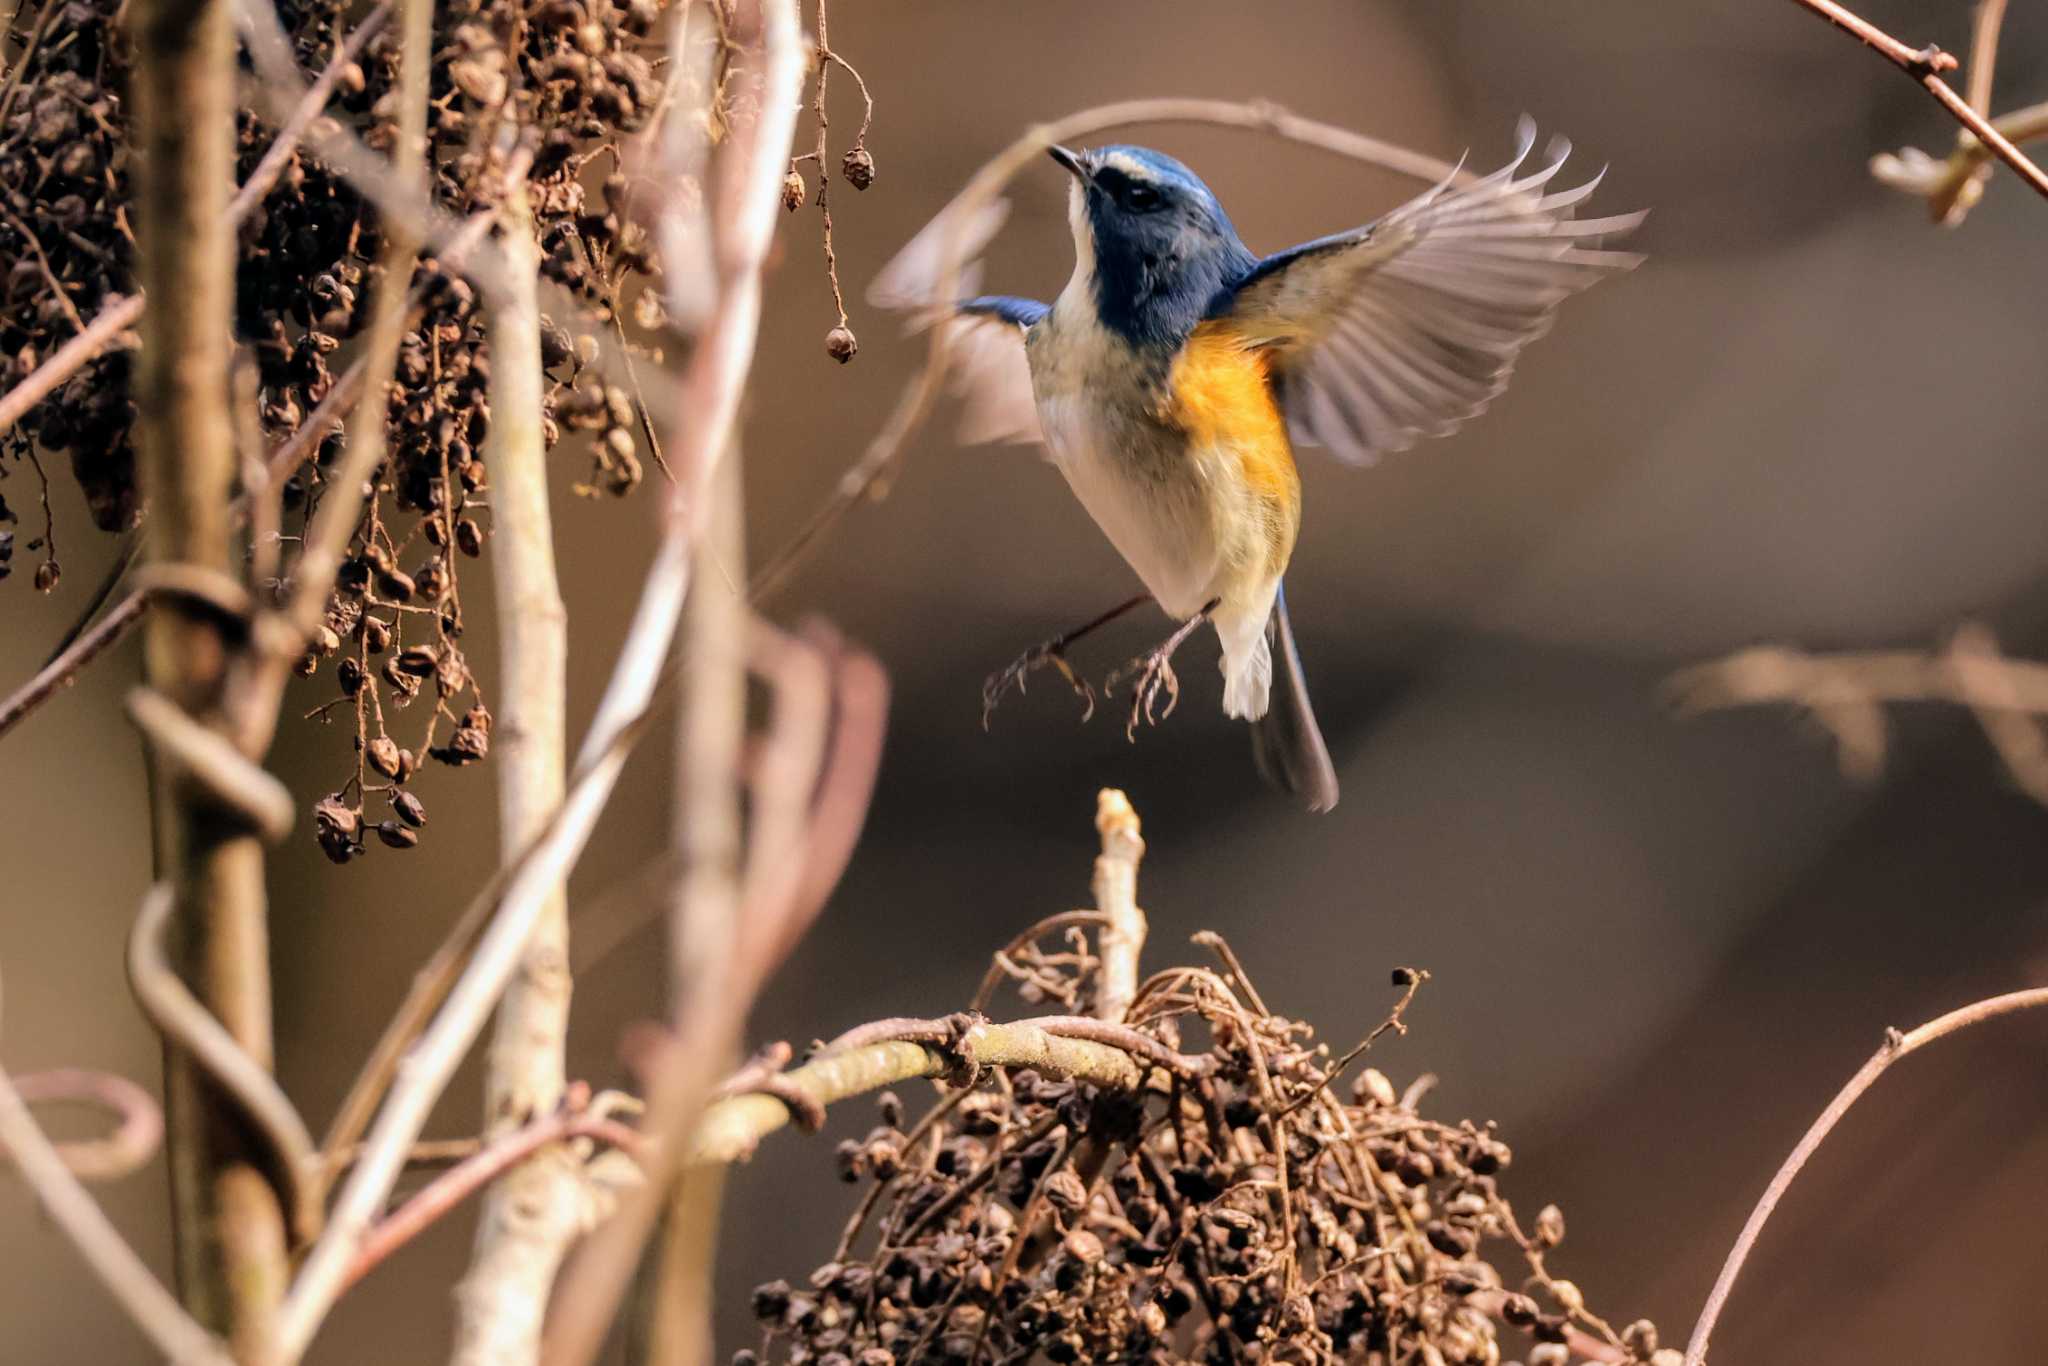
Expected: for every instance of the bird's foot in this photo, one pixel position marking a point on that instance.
(1153, 678)
(1051, 654)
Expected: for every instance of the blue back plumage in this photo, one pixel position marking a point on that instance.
(1164, 248)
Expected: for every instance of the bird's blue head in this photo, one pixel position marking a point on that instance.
(1159, 246)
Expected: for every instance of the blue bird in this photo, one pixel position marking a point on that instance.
(1178, 371)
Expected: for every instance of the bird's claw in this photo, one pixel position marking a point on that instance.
(1154, 677)
(1052, 654)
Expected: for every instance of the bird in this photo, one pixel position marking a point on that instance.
(1177, 373)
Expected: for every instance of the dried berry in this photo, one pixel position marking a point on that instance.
(841, 345)
(793, 191)
(382, 753)
(409, 808)
(858, 167)
(397, 836)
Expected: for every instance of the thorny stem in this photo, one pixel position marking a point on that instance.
(1895, 1047)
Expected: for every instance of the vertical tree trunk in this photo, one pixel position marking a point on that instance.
(529, 1217)
(230, 1231)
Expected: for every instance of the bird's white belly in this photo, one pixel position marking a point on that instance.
(1149, 502)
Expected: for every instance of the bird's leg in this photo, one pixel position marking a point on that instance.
(1154, 674)
(1054, 653)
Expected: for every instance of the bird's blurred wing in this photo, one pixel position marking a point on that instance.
(985, 336)
(1408, 327)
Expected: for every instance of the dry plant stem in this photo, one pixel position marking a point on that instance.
(717, 375)
(749, 172)
(477, 1171)
(870, 475)
(118, 314)
(530, 1217)
(71, 1207)
(182, 1020)
(228, 1224)
(706, 838)
(139, 1128)
(1116, 897)
(1844, 692)
(732, 1128)
(1895, 1047)
(291, 453)
(62, 671)
(1925, 65)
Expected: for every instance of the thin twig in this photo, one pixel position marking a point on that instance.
(1413, 978)
(1925, 66)
(71, 1207)
(496, 1157)
(62, 671)
(1895, 1047)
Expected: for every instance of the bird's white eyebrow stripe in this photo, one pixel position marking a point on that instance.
(1129, 166)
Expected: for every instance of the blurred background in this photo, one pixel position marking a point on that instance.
(1658, 944)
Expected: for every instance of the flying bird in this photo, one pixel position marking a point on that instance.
(1177, 373)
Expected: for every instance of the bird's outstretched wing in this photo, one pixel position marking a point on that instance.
(985, 353)
(1408, 327)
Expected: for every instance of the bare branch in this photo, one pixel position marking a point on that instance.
(1845, 693)
(1925, 65)
(1116, 896)
(530, 1217)
(71, 1207)
(493, 1159)
(732, 1128)
(1895, 1047)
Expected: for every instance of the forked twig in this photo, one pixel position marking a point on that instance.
(1926, 65)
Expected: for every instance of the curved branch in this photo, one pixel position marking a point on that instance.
(732, 1128)
(1896, 1046)
(189, 1026)
(71, 1207)
(138, 1131)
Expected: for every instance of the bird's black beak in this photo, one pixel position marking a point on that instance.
(1070, 160)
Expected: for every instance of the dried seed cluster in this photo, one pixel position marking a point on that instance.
(566, 83)
(1252, 1213)
(64, 245)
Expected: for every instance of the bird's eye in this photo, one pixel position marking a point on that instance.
(1141, 198)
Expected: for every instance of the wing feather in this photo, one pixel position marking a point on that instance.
(1411, 326)
(986, 363)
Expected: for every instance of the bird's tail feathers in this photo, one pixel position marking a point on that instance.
(1247, 676)
(1286, 743)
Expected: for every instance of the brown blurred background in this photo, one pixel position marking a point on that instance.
(1658, 944)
